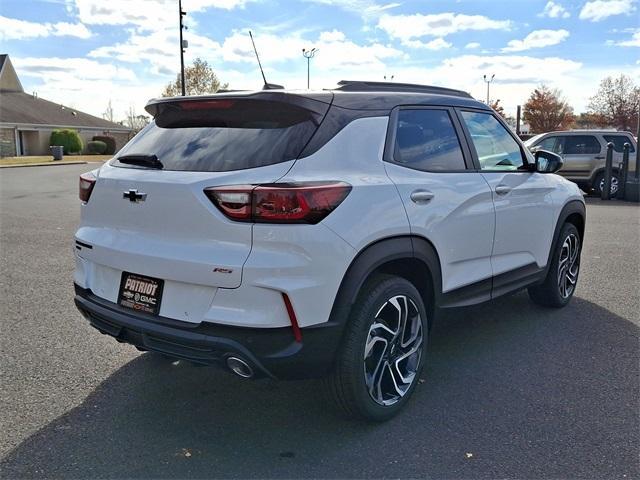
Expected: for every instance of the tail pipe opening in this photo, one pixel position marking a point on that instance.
(239, 367)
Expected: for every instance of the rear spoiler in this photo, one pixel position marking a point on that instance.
(316, 102)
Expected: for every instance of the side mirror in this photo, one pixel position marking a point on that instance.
(534, 149)
(548, 162)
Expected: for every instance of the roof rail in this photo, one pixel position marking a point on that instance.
(364, 86)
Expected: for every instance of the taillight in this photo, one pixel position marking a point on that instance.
(87, 181)
(308, 202)
(207, 104)
(234, 202)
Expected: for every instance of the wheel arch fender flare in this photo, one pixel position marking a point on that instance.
(376, 255)
(572, 208)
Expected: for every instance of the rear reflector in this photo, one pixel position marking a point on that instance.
(297, 333)
(308, 202)
(87, 181)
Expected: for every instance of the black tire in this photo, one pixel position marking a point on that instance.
(551, 292)
(599, 180)
(375, 305)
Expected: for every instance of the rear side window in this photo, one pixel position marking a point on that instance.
(496, 148)
(426, 140)
(619, 141)
(581, 145)
(224, 135)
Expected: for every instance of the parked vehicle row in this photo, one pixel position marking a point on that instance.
(584, 153)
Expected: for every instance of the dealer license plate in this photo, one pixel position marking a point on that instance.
(140, 293)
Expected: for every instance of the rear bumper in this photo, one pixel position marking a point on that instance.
(271, 352)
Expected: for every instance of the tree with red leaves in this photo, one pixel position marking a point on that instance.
(547, 111)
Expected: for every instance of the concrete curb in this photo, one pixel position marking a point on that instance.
(47, 164)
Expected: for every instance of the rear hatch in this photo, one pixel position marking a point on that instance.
(148, 214)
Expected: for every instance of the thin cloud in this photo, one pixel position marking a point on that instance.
(364, 8)
(554, 10)
(634, 41)
(598, 10)
(437, 44)
(414, 26)
(537, 39)
(147, 15)
(15, 29)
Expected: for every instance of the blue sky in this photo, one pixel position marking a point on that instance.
(84, 53)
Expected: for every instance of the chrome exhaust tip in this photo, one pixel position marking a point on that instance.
(239, 367)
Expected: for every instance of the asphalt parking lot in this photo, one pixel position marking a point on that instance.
(510, 390)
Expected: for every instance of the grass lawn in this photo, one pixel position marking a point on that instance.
(49, 159)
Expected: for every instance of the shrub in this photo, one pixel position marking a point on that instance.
(69, 139)
(110, 141)
(96, 147)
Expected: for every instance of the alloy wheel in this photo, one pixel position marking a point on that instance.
(393, 350)
(614, 185)
(568, 265)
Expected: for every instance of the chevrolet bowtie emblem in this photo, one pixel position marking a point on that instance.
(134, 196)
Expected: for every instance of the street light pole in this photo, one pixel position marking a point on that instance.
(309, 54)
(181, 14)
(488, 82)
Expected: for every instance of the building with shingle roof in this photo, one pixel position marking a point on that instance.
(26, 121)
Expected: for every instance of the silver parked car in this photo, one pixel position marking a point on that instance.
(584, 153)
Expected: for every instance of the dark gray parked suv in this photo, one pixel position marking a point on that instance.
(584, 153)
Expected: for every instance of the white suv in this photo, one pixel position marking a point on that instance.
(299, 234)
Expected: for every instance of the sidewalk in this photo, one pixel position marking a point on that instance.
(45, 164)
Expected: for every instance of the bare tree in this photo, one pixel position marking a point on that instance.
(618, 101)
(499, 109)
(134, 121)
(200, 79)
(108, 113)
(546, 111)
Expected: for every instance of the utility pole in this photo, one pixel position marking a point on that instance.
(182, 47)
(309, 54)
(488, 82)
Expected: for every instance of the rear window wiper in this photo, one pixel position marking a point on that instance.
(149, 161)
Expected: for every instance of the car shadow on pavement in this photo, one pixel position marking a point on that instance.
(511, 390)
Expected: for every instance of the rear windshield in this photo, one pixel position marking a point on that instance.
(218, 136)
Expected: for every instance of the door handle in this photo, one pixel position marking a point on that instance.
(421, 196)
(599, 157)
(502, 189)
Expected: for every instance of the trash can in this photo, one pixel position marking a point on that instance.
(57, 151)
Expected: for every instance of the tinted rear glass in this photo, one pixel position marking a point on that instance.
(426, 140)
(581, 145)
(224, 135)
(619, 141)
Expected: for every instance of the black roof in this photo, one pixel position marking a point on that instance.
(364, 86)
